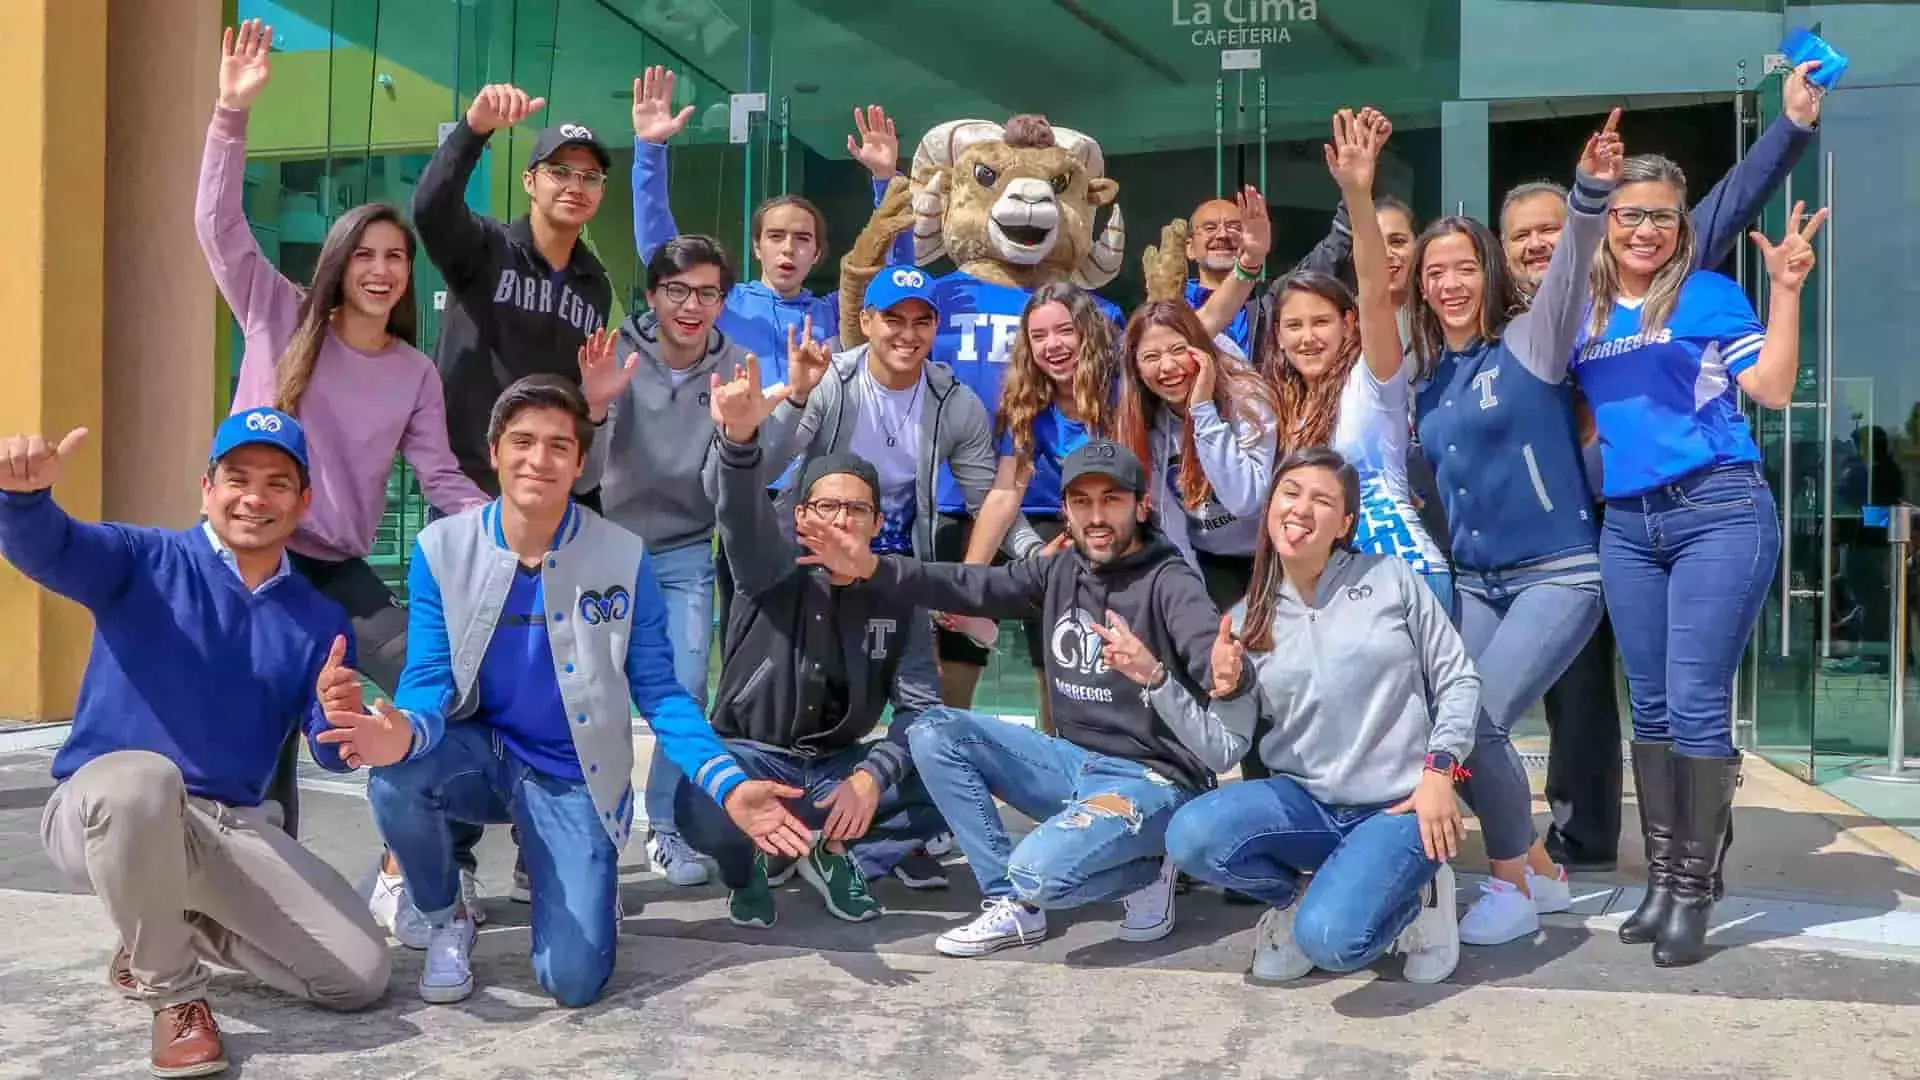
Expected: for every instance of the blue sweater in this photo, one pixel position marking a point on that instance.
(185, 662)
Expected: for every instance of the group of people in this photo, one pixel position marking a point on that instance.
(1338, 530)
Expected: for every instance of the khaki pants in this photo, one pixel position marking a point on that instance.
(188, 881)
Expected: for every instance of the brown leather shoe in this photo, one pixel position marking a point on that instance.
(186, 1042)
(120, 975)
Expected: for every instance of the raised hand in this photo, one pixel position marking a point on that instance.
(1791, 260)
(1229, 659)
(807, 361)
(382, 736)
(838, 550)
(756, 808)
(1354, 154)
(30, 463)
(850, 806)
(878, 148)
(654, 119)
(1256, 228)
(603, 377)
(738, 405)
(499, 105)
(1204, 369)
(244, 63)
(1125, 652)
(1799, 98)
(1604, 153)
(338, 687)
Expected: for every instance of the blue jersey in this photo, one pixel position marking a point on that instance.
(1054, 437)
(1238, 331)
(1664, 402)
(978, 324)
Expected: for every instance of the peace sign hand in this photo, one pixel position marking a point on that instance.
(603, 377)
(338, 687)
(654, 120)
(1125, 653)
(879, 147)
(1604, 153)
(738, 405)
(499, 105)
(28, 463)
(381, 737)
(807, 361)
(245, 63)
(1791, 260)
(1229, 659)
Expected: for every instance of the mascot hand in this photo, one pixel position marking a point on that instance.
(1165, 267)
(868, 254)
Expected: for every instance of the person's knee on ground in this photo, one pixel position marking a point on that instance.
(365, 968)
(575, 972)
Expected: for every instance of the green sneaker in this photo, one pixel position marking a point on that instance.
(839, 882)
(752, 906)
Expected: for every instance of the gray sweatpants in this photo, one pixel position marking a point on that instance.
(190, 881)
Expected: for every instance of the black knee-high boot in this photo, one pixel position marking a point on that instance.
(1653, 787)
(1703, 797)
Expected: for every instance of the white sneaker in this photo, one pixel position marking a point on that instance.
(670, 855)
(940, 846)
(470, 897)
(393, 910)
(1550, 894)
(448, 974)
(1277, 957)
(1150, 909)
(1431, 944)
(1502, 914)
(1002, 922)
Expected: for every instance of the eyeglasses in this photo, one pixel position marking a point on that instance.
(565, 175)
(826, 509)
(1631, 217)
(1210, 228)
(679, 292)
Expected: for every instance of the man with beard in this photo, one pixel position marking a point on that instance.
(1213, 244)
(1105, 786)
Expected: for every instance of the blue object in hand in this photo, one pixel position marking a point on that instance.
(1803, 45)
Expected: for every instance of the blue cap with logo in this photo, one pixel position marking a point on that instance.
(897, 284)
(261, 427)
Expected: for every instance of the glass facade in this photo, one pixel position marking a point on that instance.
(1190, 98)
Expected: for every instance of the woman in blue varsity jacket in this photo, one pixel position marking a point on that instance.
(1691, 537)
(1494, 409)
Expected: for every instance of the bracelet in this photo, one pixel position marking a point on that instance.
(1240, 271)
(1158, 677)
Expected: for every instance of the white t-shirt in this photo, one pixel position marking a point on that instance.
(886, 432)
(1372, 431)
(679, 376)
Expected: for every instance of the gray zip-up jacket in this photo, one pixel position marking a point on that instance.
(954, 431)
(1237, 457)
(650, 457)
(1362, 683)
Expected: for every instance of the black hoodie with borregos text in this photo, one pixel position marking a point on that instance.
(1092, 705)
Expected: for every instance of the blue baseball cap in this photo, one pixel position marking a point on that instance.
(261, 427)
(896, 284)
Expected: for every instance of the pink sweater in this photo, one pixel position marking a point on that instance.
(360, 409)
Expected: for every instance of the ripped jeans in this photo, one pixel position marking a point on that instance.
(1103, 820)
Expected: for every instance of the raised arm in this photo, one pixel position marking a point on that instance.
(1353, 157)
(88, 563)
(1734, 202)
(758, 550)
(999, 510)
(455, 237)
(424, 445)
(1335, 248)
(1768, 372)
(878, 148)
(654, 122)
(1542, 337)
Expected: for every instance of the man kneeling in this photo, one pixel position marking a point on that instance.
(531, 624)
(811, 661)
(205, 652)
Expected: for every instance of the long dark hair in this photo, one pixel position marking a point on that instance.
(1308, 411)
(294, 371)
(1256, 628)
(1500, 299)
(1239, 393)
(1026, 391)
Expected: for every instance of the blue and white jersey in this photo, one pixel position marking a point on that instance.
(979, 322)
(1664, 402)
(1372, 430)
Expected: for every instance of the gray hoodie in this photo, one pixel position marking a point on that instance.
(1360, 685)
(650, 457)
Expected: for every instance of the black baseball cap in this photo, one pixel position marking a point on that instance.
(552, 140)
(835, 464)
(1100, 457)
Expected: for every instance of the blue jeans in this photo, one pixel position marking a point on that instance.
(685, 575)
(572, 865)
(1686, 568)
(1259, 837)
(916, 688)
(1522, 628)
(905, 812)
(1102, 819)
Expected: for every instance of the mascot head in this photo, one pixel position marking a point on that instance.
(1022, 196)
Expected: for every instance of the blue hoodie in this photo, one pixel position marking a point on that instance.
(755, 316)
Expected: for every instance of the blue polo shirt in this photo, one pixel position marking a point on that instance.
(1664, 402)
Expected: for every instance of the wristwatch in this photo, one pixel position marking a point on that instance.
(1445, 764)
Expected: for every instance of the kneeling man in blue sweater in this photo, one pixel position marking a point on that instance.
(205, 655)
(532, 623)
